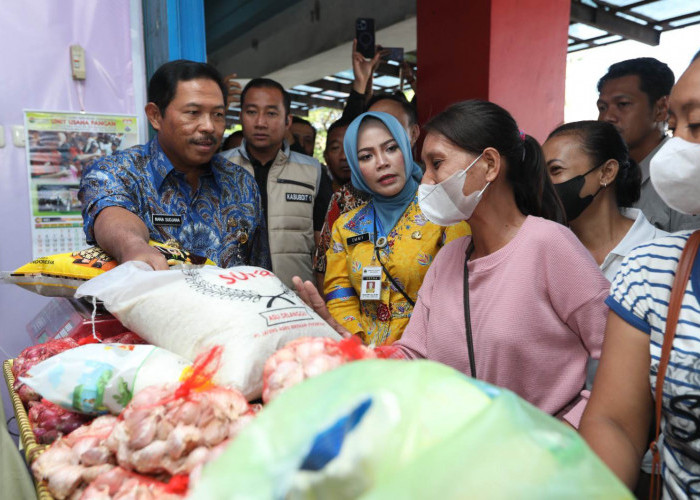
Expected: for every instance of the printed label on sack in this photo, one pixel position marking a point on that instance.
(301, 197)
(286, 315)
(166, 220)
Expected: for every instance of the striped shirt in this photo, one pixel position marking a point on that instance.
(640, 295)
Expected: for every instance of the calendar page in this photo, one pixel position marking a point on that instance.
(59, 147)
(58, 235)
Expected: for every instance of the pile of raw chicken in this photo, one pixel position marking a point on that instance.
(157, 446)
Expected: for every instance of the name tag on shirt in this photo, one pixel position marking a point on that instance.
(371, 288)
(166, 220)
(354, 240)
(301, 197)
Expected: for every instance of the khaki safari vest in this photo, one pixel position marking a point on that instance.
(292, 187)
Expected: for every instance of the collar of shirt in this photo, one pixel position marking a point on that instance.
(284, 152)
(642, 231)
(646, 162)
(160, 165)
(335, 183)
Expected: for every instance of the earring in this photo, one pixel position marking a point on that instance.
(605, 184)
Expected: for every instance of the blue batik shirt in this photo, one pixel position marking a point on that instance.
(222, 220)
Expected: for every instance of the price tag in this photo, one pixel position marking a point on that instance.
(371, 288)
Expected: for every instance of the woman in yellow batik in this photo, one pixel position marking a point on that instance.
(381, 250)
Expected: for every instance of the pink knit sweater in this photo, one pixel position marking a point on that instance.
(537, 313)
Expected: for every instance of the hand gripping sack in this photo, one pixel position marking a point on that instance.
(405, 429)
(245, 309)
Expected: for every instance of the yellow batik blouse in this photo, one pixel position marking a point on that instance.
(410, 249)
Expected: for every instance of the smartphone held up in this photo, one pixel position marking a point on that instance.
(364, 33)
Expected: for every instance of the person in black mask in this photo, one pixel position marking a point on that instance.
(597, 180)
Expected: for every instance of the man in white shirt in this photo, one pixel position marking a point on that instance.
(633, 96)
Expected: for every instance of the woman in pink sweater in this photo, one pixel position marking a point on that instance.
(535, 296)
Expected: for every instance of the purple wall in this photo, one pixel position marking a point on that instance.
(35, 74)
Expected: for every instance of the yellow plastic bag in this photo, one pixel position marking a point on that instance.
(59, 275)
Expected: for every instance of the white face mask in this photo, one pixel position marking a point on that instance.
(445, 204)
(675, 174)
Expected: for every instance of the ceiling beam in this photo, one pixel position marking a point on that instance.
(611, 23)
(315, 102)
(390, 69)
(331, 85)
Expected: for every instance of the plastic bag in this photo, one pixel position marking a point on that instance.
(399, 429)
(61, 274)
(158, 444)
(32, 356)
(50, 421)
(175, 428)
(72, 462)
(246, 310)
(96, 378)
(122, 483)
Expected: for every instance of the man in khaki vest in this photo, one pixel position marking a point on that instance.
(294, 197)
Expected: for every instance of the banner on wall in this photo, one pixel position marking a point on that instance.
(59, 146)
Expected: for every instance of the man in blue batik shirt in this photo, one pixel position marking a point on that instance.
(175, 187)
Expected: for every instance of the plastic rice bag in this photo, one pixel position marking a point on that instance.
(97, 378)
(247, 310)
(61, 274)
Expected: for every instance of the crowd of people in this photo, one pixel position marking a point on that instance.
(516, 263)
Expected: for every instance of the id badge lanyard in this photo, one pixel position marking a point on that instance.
(379, 243)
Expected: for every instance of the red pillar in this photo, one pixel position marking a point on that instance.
(511, 52)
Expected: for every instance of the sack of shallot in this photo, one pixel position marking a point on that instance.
(308, 357)
(75, 460)
(173, 428)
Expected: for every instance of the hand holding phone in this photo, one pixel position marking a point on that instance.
(364, 34)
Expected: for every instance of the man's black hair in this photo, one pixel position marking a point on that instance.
(655, 77)
(298, 119)
(163, 83)
(226, 145)
(267, 83)
(398, 97)
(337, 124)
